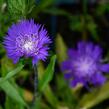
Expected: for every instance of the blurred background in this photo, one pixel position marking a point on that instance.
(67, 21)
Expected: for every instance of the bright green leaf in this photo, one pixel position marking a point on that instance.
(95, 97)
(20, 8)
(12, 92)
(12, 73)
(6, 66)
(12, 104)
(48, 93)
(61, 49)
(48, 75)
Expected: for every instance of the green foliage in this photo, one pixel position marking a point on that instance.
(12, 92)
(48, 93)
(1, 107)
(9, 104)
(20, 8)
(43, 4)
(16, 80)
(48, 75)
(11, 74)
(102, 8)
(97, 96)
(61, 49)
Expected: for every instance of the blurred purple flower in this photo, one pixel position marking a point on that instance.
(27, 39)
(84, 65)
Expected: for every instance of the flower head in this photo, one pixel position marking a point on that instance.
(85, 65)
(27, 39)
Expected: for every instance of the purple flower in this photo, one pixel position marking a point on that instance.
(27, 39)
(84, 65)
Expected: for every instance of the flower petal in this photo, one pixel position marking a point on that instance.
(89, 48)
(72, 53)
(67, 75)
(81, 47)
(66, 65)
(73, 83)
(98, 79)
(97, 53)
(104, 68)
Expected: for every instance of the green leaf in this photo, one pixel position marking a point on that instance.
(95, 97)
(6, 66)
(37, 104)
(20, 8)
(69, 98)
(48, 75)
(40, 7)
(48, 93)
(12, 104)
(1, 107)
(1, 4)
(44, 4)
(50, 97)
(12, 92)
(92, 27)
(12, 73)
(101, 9)
(60, 49)
(76, 23)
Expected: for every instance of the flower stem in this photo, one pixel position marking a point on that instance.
(35, 85)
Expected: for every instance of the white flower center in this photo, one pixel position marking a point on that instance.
(28, 46)
(85, 66)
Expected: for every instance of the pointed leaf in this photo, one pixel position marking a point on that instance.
(12, 73)
(60, 49)
(12, 92)
(48, 75)
(95, 97)
(48, 93)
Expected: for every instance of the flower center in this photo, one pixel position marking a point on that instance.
(28, 46)
(85, 66)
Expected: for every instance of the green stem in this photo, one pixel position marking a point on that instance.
(35, 85)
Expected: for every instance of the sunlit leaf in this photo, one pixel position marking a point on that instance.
(11, 74)
(48, 93)
(95, 97)
(6, 66)
(61, 49)
(20, 8)
(12, 92)
(48, 75)
(12, 104)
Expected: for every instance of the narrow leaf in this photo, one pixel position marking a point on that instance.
(12, 73)
(12, 92)
(48, 93)
(60, 49)
(48, 75)
(95, 97)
